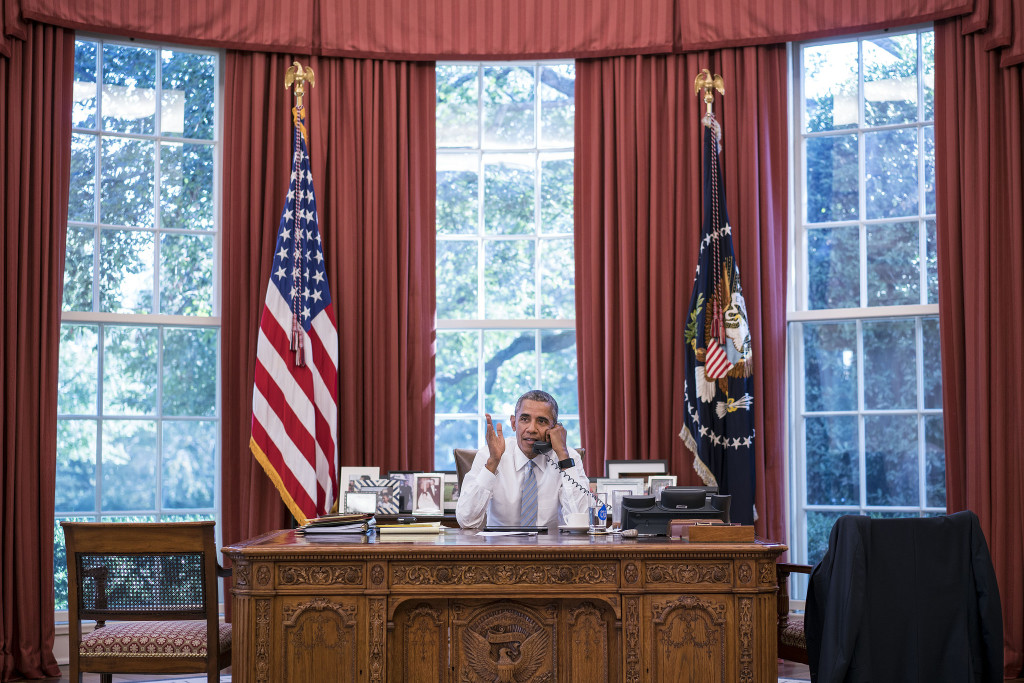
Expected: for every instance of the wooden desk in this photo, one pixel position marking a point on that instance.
(461, 607)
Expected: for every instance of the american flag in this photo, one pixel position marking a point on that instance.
(295, 397)
(718, 426)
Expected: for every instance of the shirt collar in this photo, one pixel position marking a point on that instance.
(521, 459)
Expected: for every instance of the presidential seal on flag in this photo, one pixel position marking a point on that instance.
(718, 390)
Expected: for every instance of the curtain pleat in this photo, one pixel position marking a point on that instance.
(638, 217)
(979, 138)
(35, 148)
(371, 130)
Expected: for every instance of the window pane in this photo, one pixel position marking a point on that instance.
(187, 97)
(451, 434)
(928, 75)
(929, 168)
(510, 292)
(457, 195)
(890, 364)
(509, 366)
(126, 195)
(129, 89)
(832, 462)
(126, 271)
(830, 87)
(82, 188)
(78, 269)
(457, 100)
(556, 189)
(833, 268)
(129, 465)
(508, 106)
(76, 466)
(930, 349)
(558, 279)
(830, 366)
(190, 371)
(186, 186)
(890, 80)
(819, 526)
(456, 279)
(890, 458)
(935, 462)
(894, 264)
(508, 194)
(83, 105)
(891, 167)
(79, 370)
(558, 369)
(557, 105)
(129, 370)
(832, 178)
(457, 372)
(186, 274)
(189, 461)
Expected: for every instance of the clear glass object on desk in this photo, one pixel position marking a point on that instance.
(599, 513)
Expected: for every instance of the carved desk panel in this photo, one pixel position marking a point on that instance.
(462, 608)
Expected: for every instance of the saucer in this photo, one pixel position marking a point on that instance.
(568, 529)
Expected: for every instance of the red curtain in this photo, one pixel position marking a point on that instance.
(638, 188)
(35, 148)
(371, 126)
(979, 137)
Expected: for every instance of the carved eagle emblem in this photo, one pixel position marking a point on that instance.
(503, 657)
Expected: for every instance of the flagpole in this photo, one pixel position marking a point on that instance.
(297, 76)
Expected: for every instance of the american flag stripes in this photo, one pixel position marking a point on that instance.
(295, 394)
(718, 425)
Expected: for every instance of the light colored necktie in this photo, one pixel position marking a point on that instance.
(528, 503)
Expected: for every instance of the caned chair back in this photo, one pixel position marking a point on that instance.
(158, 583)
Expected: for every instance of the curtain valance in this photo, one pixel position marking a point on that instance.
(418, 30)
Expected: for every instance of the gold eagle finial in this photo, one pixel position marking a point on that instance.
(299, 76)
(708, 83)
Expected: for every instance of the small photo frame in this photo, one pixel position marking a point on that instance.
(451, 491)
(617, 469)
(387, 493)
(360, 501)
(427, 493)
(616, 489)
(405, 483)
(348, 475)
(656, 484)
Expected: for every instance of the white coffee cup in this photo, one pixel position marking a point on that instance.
(577, 519)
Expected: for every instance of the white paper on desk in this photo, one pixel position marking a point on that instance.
(506, 533)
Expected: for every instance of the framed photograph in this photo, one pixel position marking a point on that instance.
(656, 484)
(615, 490)
(427, 493)
(360, 501)
(617, 469)
(386, 490)
(405, 484)
(451, 491)
(348, 475)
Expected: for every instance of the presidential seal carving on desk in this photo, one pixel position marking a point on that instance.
(507, 645)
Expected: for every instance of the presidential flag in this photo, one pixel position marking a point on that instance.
(295, 396)
(718, 389)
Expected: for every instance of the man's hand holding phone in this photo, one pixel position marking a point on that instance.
(557, 436)
(495, 443)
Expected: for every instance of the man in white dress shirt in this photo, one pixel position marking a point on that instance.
(496, 490)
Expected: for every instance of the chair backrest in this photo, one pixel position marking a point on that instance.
(142, 572)
(464, 461)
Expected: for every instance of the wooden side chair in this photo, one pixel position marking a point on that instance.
(156, 583)
(792, 642)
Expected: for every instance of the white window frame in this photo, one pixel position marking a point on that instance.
(798, 312)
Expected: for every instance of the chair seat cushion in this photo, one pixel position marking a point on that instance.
(793, 634)
(152, 639)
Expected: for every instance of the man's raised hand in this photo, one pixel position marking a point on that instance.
(495, 443)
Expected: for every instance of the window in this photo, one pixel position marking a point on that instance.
(865, 384)
(138, 432)
(505, 267)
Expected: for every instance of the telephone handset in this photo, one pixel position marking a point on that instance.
(544, 448)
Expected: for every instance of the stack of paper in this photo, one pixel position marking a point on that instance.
(338, 524)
